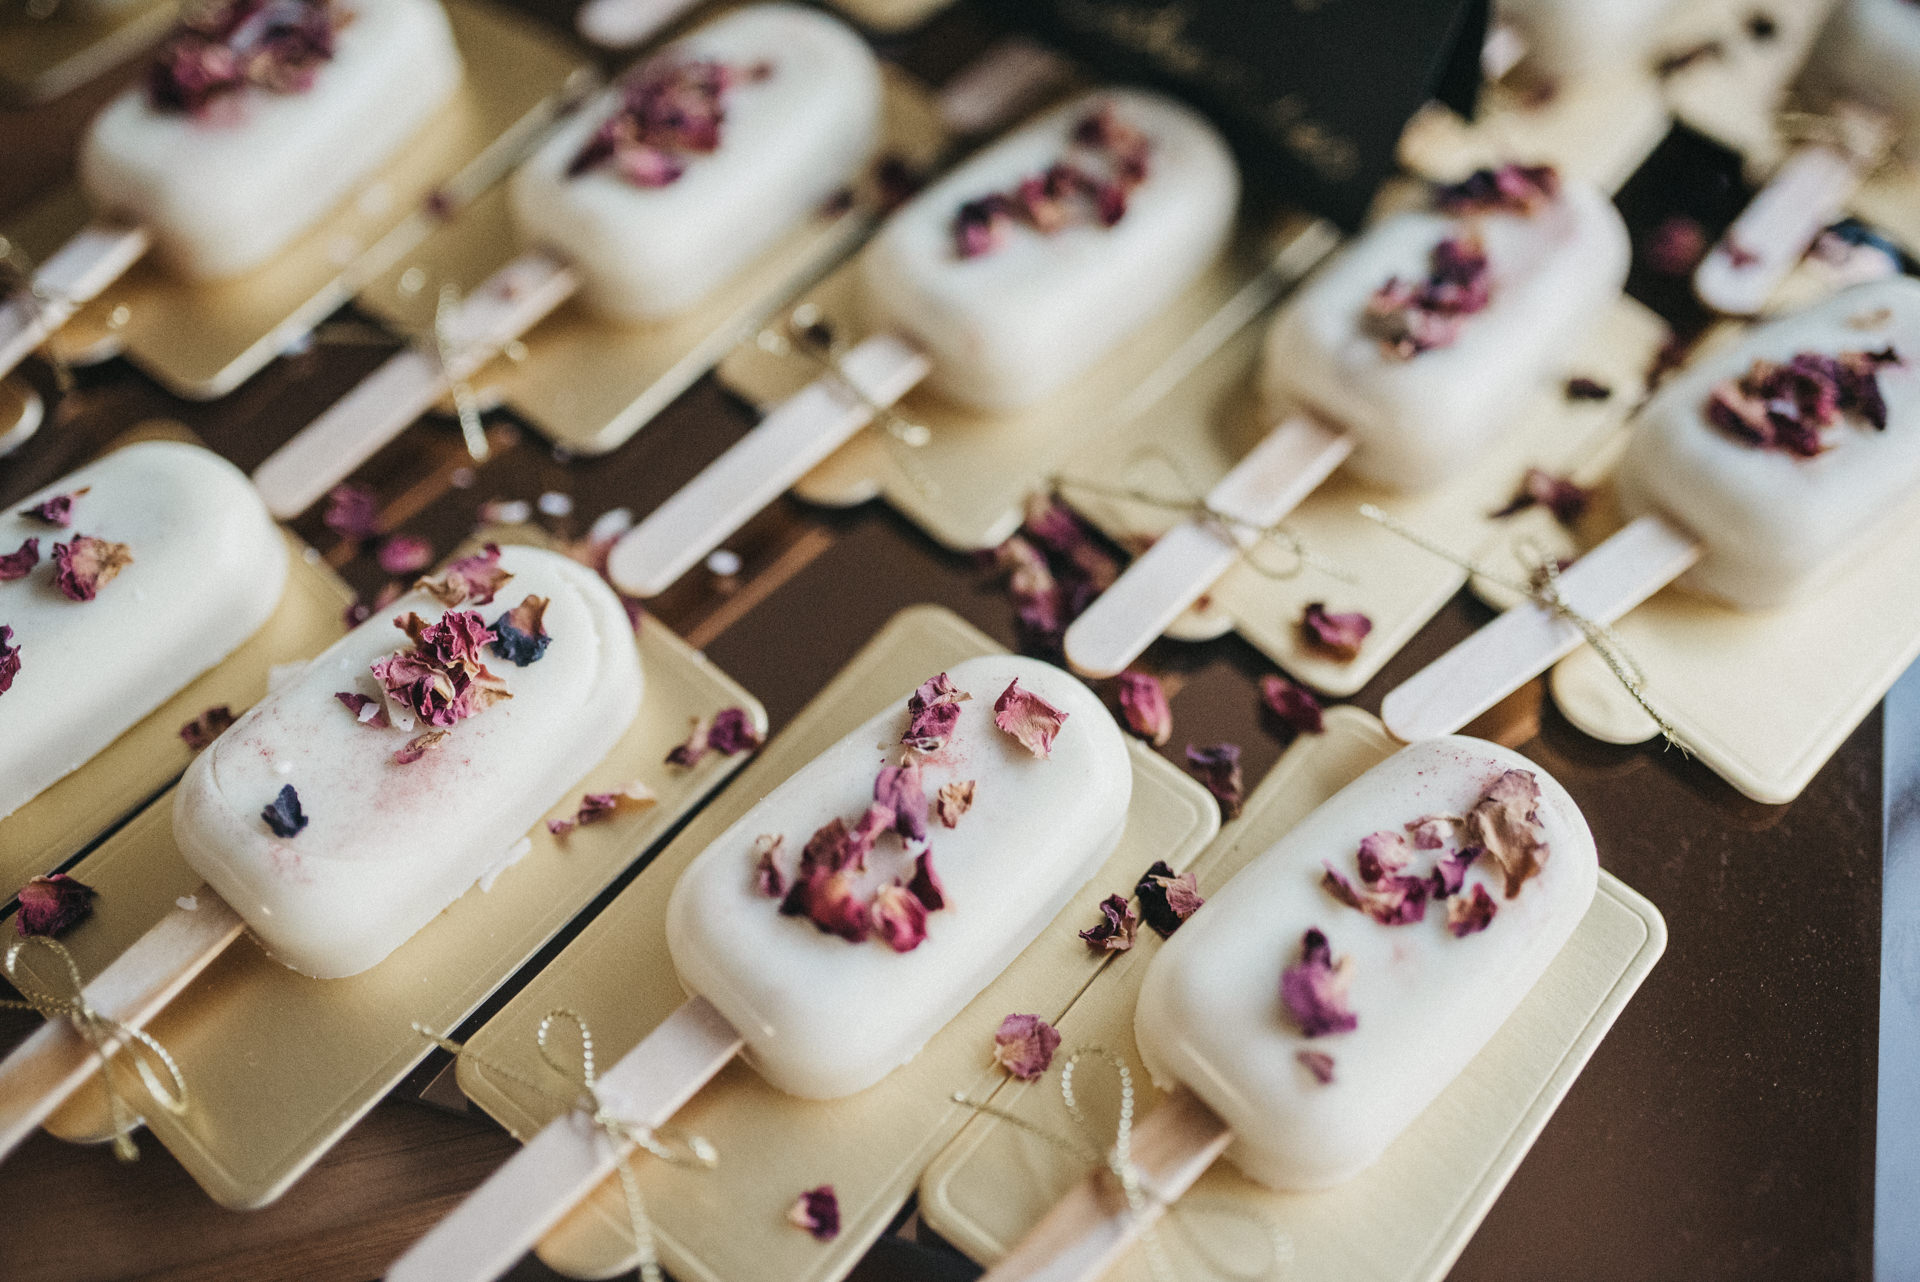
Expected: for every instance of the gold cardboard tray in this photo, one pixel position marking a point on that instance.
(589, 384)
(1439, 1178)
(203, 340)
(42, 58)
(281, 1065)
(966, 487)
(1181, 445)
(60, 822)
(729, 1223)
(889, 16)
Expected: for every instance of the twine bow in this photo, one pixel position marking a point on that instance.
(1140, 1198)
(1542, 587)
(693, 1149)
(157, 1068)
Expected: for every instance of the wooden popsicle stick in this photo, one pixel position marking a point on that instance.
(1641, 558)
(1806, 194)
(796, 437)
(56, 1061)
(502, 1219)
(327, 450)
(1086, 1231)
(98, 255)
(1502, 50)
(622, 24)
(1285, 467)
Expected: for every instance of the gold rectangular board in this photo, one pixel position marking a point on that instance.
(61, 821)
(203, 340)
(967, 485)
(889, 16)
(1440, 1177)
(588, 383)
(279, 1065)
(43, 57)
(729, 1223)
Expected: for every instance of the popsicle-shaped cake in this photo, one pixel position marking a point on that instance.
(1565, 38)
(1323, 997)
(996, 285)
(350, 806)
(1754, 477)
(653, 196)
(1406, 357)
(844, 919)
(1863, 75)
(254, 120)
(120, 584)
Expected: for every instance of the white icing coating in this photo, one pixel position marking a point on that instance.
(788, 144)
(1420, 422)
(1869, 52)
(223, 194)
(1572, 37)
(208, 567)
(1775, 526)
(1210, 1015)
(822, 1017)
(387, 846)
(1009, 326)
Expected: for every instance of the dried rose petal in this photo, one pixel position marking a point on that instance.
(1506, 822)
(84, 566)
(1293, 704)
(1038, 598)
(1339, 635)
(1470, 914)
(899, 918)
(1382, 854)
(1410, 317)
(1566, 499)
(208, 726)
(733, 732)
(955, 800)
(1167, 898)
(419, 746)
(1087, 568)
(1143, 702)
(829, 901)
(769, 877)
(1028, 718)
(9, 659)
(405, 554)
(1024, 1046)
(866, 832)
(932, 712)
(1675, 246)
(1587, 389)
(1091, 188)
(1450, 872)
(598, 806)
(369, 712)
(221, 49)
(900, 790)
(1392, 901)
(1218, 767)
(1319, 1063)
(830, 848)
(52, 905)
(283, 814)
(1432, 832)
(670, 109)
(441, 679)
(56, 511)
(818, 1212)
(352, 512)
(1512, 189)
(520, 635)
(19, 564)
(467, 580)
(1796, 406)
(1314, 990)
(925, 883)
(1117, 929)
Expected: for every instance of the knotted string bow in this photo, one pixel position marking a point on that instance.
(157, 1068)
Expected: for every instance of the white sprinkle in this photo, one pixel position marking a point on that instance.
(554, 503)
(188, 902)
(724, 563)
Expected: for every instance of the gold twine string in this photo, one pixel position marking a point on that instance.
(693, 1150)
(1118, 1159)
(158, 1070)
(465, 403)
(1543, 589)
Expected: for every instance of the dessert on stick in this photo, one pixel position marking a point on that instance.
(120, 584)
(349, 807)
(1752, 478)
(1332, 989)
(996, 285)
(645, 202)
(843, 920)
(1404, 359)
(255, 119)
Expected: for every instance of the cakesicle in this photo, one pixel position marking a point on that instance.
(846, 917)
(1754, 476)
(119, 584)
(1405, 357)
(997, 284)
(1565, 38)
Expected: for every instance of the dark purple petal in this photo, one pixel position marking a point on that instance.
(1292, 704)
(1143, 702)
(1024, 1046)
(52, 905)
(1218, 767)
(283, 814)
(1314, 991)
(1167, 898)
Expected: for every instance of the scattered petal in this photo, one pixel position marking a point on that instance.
(1511, 189)
(1411, 317)
(220, 49)
(1314, 990)
(818, 1212)
(770, 878)
(1090, 186)
(900, 790)
(1218, 767)
(1566, 499)
(1506, 822)
(1799, 406)
(1450, 873)
(56, 511)
(1470, 914)
(419, 746)
(598, 806)
(730, 731)
(932, 712)
(371, 713)
(1024, 1046)
(467, 580)
(19, 564)
(671, 110)
(1392, 900)
(404, 554)
(1432, 832)
(1293, 704)
(441, 679)
(352, 512)
(925, 883)
(520, 635)
(1587, 389)
(1167, 898)
(955, 800)
(9, 659)
(1319, 1063)
(81, 568)
(1117, 929)
(208, 726)
(1339, 635)
(52, 905)
(899, 918)
(283, 814)
(1675, 246)
(1143, 702)
(1028, 718)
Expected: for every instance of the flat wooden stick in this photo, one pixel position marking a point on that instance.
(98, 255)
(327, 450)
(1640, 559)
(1086, 1231)
(56, 1061)
(1285, 467)
(502, 1219)
(790, 442)
(622, 24)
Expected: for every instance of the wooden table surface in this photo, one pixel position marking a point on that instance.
(1723, 1130)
